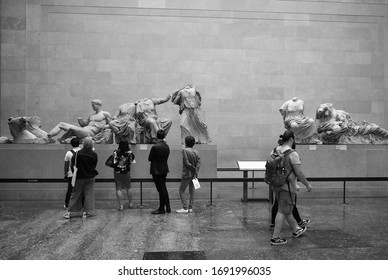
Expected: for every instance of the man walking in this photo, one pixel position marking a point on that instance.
(286, 195)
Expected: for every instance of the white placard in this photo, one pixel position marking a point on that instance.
(341, 147)
(312, 147)
(251, 165)
(143, 147)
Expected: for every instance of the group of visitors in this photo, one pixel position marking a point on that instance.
(83, 162)
(80, 172)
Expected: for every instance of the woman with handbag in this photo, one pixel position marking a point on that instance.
(122, 159)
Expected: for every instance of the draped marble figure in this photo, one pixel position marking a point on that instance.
(189, 101)
(337, 127)
(302, 126)
(148, 118)
(124, 124)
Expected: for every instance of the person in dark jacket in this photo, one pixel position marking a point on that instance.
(158, 157)
(86, 161)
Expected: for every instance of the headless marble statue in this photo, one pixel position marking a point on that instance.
(189, 101)
(303, 127)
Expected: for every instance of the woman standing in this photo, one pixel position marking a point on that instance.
(122, 159)
(86, 161)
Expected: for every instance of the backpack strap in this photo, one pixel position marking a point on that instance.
(287, 153)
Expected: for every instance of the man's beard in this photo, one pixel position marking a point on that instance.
(293, 146)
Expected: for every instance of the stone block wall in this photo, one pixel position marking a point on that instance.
(246, 58)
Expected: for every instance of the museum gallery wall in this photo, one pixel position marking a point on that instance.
(245, 58)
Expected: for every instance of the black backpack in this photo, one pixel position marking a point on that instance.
(275, 172)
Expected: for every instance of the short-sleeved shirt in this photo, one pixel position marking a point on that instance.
(294, 159)
(68, 157)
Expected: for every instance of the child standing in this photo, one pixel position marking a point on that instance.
(191, 165)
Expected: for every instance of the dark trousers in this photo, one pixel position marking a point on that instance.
(160, 182)
(68, 193)
(295, 212)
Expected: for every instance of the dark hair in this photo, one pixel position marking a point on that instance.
(160, 134)
(189, 141)
(285, 137)
(74, 142)
(123, 147)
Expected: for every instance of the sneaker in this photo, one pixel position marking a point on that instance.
(278, 241)
(271, 226)
(190, 209)
(121, 208)
(182, 211)
(299, 232)
(85, 215)
(304, 223)
(66, 215)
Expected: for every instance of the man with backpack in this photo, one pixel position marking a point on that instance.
(283, 168)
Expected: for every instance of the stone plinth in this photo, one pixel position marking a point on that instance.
(30, 161)
(345, 161)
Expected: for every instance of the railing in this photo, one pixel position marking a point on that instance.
(204, 180)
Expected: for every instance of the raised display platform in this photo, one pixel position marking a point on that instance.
(354, 160)
(31, 161)
(344, 160)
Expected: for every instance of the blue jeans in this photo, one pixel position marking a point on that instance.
(184, 183)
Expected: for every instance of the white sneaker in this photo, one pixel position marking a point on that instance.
(190, 210)
(67, 215)
(182, 211)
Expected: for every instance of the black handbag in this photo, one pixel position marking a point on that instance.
(109, 161)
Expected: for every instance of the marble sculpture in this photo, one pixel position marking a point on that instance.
(189, 101)
(148, 118)
(337, 127)
(27, 130)
(96, 126)
(303, 127)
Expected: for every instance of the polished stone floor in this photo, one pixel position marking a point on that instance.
(229, 229)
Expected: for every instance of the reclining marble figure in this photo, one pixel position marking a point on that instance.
(337, 127)
(95, 126)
